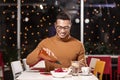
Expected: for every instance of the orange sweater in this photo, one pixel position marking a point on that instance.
(65, 51)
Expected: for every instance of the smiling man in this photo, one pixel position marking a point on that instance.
(62, 46)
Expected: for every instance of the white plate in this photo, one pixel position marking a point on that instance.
(82, 74)
(59, 74)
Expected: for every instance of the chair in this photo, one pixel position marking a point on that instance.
(118, 68)
(17, 68)
(93, 62)
(108, 65)
(1, 73)
(117, 72)
(1, 67)
(26, 67)
(99, 69)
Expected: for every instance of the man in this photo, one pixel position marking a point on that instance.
(63, 46)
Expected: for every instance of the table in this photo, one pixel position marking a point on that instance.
(112, 56)
(34, 75)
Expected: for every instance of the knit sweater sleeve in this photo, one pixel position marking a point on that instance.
(81, 55)
(33, 57)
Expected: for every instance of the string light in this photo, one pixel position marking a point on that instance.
(87, 20)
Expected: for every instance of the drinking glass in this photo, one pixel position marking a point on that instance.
(75, 68)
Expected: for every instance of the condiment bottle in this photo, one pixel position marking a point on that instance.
(50, 58)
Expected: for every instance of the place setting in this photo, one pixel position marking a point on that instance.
(73, 70)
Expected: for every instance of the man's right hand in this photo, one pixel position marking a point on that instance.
(47, 54)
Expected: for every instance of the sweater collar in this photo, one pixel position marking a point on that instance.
(63, 39)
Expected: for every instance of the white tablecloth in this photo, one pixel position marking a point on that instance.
(31, 75)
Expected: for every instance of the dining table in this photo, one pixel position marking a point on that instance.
(36, 75)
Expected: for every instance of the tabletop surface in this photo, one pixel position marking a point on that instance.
(36, 75)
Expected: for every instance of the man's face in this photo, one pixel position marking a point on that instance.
(63, 28)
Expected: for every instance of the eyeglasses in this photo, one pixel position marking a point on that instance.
(63, 27)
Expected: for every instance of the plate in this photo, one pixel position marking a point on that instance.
(82, 74)
(59, 74)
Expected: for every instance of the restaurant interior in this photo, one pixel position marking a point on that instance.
(24, 23)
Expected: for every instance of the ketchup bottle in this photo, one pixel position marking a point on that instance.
(50, 58)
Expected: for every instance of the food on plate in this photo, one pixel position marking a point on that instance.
(59, 70)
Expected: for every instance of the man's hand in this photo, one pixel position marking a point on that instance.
(49, 52)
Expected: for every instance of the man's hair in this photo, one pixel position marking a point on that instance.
(64, 16)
